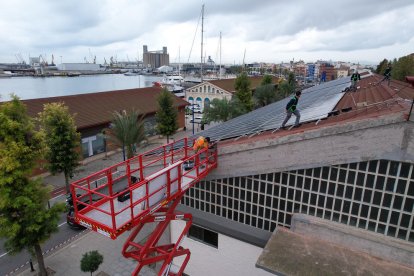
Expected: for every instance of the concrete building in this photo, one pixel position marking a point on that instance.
(348, 173)
(155, 59)
(79, 67)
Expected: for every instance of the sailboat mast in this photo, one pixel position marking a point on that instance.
(202, 30)
(220, 59)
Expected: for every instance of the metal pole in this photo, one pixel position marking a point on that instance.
(193, 119)
(202, 30)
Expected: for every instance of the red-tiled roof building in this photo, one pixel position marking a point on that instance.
(93, 112)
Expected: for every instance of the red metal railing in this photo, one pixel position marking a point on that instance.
(117, 198)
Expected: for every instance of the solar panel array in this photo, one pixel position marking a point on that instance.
(315, 103)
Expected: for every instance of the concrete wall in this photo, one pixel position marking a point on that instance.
(389, 137)
(232, 257)
(374, 244)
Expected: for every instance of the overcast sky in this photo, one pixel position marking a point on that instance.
(259, 30)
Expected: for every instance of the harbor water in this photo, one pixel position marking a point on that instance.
(36, 87)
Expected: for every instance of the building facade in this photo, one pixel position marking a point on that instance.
(155, 59)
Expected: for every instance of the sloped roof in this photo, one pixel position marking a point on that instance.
(96, 108)
(371, 99)
(228, 84)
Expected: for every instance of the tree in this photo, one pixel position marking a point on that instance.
(285, 88)
(267, 79)
(166, 115)
(62, 139)
(382, 66)
(25, 220)
(91, 261)
(403, 67)
(221, 110)
(243, 92)
(127, 131)
(265, 94)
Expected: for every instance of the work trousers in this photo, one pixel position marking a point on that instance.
(289, 114)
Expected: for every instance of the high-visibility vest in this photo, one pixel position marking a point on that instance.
(200, 143)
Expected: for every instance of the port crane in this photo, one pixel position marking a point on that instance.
(144, 190)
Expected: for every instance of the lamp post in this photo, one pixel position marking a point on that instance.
(193, 118)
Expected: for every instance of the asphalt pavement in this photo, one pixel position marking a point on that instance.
(65, 260)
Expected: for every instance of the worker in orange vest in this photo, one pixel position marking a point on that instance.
(201, 143)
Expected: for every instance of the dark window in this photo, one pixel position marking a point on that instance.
(353, 166)
(367, 196)
(408, 205)
(277, 178)
(261, 199)
(307, 183)
(377, 198)
(323, 186)
(342, 176)
(348, 192)
(370, 181)
(299, 181)
(262, 187)
(325, 173)
(379, 185)
(358, 194)
(331, 190)
(411, 187)
(329, 201)
(393, 168)
(384, 216)
(334, 174)
(362, 166)
(401, 186)
(397, 202)
(203, 235)
(383, 167)
(340, 190)
(351, 177)
(387, 200)
(317, 172)
(373, 166)
(390, 184)
(315, 185)
(360, 179)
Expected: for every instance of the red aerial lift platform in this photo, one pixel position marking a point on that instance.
(140, 190)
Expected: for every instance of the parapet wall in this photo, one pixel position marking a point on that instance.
(356, 239)
(390, 137)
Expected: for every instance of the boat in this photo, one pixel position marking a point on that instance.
(172, 80)
(133, 72)
(175, 89)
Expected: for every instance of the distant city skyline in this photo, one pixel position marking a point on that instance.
(362, 32)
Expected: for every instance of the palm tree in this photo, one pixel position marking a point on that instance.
(127, 131)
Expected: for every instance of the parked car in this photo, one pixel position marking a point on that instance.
(188, 165)
(70, 220)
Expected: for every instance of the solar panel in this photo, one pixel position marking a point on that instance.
(315, 103)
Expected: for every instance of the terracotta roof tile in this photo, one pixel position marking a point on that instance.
(96, 108)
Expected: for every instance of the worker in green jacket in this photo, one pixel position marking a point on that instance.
(291, 109)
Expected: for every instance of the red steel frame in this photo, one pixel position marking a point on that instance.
(96, 205)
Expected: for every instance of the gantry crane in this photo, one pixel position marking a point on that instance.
(141, 190)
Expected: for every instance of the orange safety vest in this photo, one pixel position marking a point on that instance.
(200, 143)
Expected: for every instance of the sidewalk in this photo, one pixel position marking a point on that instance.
(66, 260)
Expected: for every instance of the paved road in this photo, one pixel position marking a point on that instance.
(14, 263)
